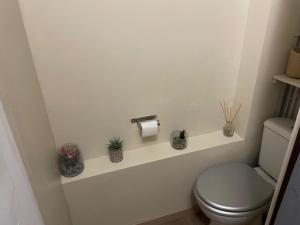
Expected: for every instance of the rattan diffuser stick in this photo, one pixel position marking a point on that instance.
(229, 111)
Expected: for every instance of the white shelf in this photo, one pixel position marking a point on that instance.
(102, 165)
(287, 80)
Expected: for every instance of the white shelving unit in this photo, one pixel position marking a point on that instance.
(102, 165)
(291, 96)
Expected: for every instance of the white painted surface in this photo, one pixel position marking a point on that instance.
(270, 33)
(163, 187)
(272, 152)
(147, 191)
(24, 106)
(18, 205)
(152, 154)
(257, 25)
(101, 63)
(287, 80)
(8, 212)
(271, 30)
(265, 176)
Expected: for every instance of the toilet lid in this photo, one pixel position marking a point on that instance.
(234, 187)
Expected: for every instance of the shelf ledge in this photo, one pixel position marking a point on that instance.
(140, 156)
(287, 80)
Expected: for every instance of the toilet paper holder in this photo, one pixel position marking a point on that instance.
(139, 120)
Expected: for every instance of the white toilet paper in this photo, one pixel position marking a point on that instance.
(149, 128)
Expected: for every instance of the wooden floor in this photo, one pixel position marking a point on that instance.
(188, 217)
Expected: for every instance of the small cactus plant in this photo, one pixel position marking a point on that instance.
(115, 144)
(182, 134)
(115, 150)
(179, 139)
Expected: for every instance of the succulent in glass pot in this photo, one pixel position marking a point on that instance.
(179, 139)
(69, 160)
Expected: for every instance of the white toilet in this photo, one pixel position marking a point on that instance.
(236, 193)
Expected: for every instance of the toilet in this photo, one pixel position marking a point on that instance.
(237, 194)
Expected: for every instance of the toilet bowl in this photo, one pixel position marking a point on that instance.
(235, 193)
(218, 218)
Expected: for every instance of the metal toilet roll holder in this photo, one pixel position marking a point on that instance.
(139, 120)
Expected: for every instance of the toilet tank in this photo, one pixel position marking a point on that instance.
(275, 140)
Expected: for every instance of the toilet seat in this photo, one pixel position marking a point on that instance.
(208, 208)
(233, 189)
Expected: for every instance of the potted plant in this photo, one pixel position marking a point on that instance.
(70, 160)
(115, 150)
(179, 139)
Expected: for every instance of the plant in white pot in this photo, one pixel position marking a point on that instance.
(115, 149)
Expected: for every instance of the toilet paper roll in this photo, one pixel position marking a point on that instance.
(149, 128)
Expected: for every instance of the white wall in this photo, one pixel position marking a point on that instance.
(101, 63)
(268, 40)
(7, 193)
(87, 45)
(283, 23)
(147, 192)
(25, 109)
(18, 205)
(258, 17)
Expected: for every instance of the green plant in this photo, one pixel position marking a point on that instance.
(182, 134)
(115, 144)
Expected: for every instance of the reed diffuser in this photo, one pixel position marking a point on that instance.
(230, 113)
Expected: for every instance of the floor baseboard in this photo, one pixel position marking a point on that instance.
(193, 216)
